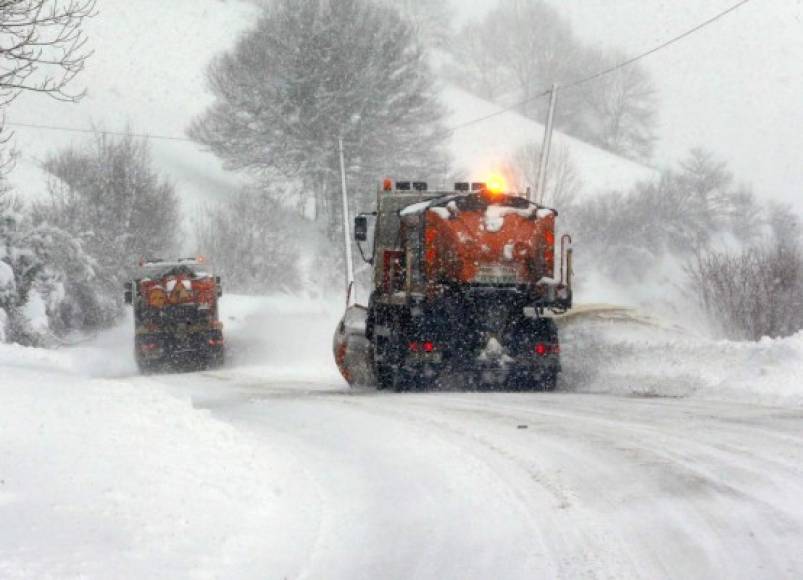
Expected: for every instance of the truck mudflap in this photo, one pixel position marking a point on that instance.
(352, 349)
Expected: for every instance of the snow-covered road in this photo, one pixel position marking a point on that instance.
(643, 465)
(525, 485)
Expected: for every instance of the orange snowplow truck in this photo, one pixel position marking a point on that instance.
(462, 282)
(176, 317)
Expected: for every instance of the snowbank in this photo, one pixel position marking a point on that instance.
(621, 352)
(114, 479)
(107, 474)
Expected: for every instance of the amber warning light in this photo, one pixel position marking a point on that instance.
(495, 185)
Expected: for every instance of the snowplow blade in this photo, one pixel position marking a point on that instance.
(352, 350)
(583, 313)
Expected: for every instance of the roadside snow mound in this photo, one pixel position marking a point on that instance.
(614, 350)
(118, 478)
(108, 474)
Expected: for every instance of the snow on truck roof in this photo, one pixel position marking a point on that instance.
(503, 205)
(181, 267)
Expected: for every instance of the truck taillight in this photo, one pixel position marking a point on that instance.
(422, 346)
(215, 342)
(543, 349)
(149, 347)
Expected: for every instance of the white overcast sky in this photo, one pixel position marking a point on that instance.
(735, 87)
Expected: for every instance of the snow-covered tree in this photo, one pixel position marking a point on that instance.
(311, 72)
(12, 296)
(108, 196)
(68, 283)
(40, 265)
(563, 183)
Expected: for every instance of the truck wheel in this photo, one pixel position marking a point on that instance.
(145, 367)
(399, 380)
(216, 360)
(386, 350)
(549, 382)
(384, 376)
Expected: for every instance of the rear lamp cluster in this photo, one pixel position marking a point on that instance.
(544, 348)
(422, 346)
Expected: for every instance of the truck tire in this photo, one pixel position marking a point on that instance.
(549, 382)
(384, 376)
(400, 384)
(526, 381)
(145, 367)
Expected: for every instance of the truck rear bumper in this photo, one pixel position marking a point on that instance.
(163, 349)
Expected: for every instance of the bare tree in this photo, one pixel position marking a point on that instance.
(618, 111)
(681, 214)
(431, 19)
(563, 183)
(478, 67)
(522, 47)
(533, 44)
(250, 240)
(756, 293)
(42, 46)
(785, 225)
(109, 196)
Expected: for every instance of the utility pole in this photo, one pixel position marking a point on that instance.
(346, 227)
(546, 146)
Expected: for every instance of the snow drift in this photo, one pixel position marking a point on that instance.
(619, 351)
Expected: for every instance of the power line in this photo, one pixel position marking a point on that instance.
(608, 70)
(497, 113)
(661, 46)
(98, 131)
(454, 128)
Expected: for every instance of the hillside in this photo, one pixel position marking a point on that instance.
(479, 148)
